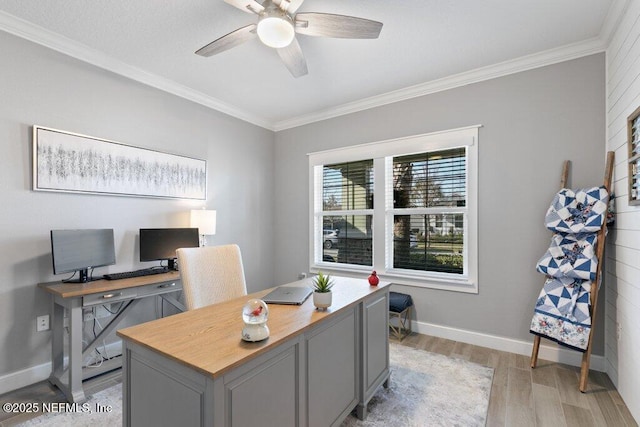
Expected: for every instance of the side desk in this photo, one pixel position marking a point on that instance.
(193, 369)
(74, 297)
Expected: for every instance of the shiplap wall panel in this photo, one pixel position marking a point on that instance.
(623, 32)
(622, 307)
(617, 136)
(611, 347)
(621, 186)
(627, 256)
(611, 363)
(621, 43)
(629, 239)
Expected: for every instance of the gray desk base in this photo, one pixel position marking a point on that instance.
(69, 378)
(315, 379)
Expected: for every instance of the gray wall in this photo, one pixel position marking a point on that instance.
(532, 121)
(42, 87)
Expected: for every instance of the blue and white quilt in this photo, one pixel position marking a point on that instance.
(563, 309)
(562, 312)
(577, 212)
(570, 256)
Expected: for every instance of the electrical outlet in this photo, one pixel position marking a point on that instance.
(42, 323)
(302, 275)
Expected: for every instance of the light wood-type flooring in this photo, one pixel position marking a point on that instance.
(545, 396)
(520, 396)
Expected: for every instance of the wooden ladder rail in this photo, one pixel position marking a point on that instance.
(600, 245)
(564, 177)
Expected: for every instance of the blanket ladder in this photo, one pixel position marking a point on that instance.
(600, 244)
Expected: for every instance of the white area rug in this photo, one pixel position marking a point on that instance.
(426, 389)
(429, 389)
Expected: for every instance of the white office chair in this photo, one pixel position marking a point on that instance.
(211, 274)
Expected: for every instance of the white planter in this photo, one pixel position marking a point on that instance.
(322, 300)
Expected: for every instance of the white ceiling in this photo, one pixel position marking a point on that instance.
(422, 44)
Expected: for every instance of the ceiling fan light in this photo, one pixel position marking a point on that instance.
(275, 31)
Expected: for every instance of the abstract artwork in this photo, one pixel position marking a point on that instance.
(69, 162)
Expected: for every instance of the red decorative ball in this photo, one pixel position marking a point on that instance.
(373, 279)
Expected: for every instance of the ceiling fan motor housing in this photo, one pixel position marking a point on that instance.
(275, 27)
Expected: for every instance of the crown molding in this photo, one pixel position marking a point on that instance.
(26, 30)
(36, 34)
(524, 63)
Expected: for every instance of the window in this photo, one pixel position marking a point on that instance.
(427, 210)
(406, 208)
(347, 212)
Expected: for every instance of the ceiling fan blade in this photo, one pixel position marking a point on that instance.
(294, 59)
(228, 41)
(340, 26)
(249, 6)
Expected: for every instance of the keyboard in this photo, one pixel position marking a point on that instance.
(135, 273)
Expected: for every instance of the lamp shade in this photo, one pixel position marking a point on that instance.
(204, 220)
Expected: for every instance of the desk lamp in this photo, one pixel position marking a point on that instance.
(205, 221)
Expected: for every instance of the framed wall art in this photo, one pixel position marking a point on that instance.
(70, 162)
(633, 160)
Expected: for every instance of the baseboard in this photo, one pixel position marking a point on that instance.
(552, 353)
(34, 374)
(25, 377)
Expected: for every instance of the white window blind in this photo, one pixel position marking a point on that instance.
(427, 211)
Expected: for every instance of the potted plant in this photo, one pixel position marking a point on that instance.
(322, 291)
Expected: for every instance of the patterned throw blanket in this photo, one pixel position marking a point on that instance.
(563, 308)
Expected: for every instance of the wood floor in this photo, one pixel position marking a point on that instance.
(545, 396)
(520, 396)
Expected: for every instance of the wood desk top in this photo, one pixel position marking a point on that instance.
(71, 290)
(209, 339)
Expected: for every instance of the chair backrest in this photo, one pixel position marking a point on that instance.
(211, 274)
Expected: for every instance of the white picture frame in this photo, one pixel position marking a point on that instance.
(74, 163)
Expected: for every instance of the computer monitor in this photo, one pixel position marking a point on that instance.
(80, 250)
(159, 244)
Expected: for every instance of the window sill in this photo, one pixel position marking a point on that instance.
(463, 285)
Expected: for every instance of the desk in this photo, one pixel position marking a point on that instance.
(76, 296)
(193, 369)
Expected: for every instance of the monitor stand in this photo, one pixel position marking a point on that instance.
(83, 277)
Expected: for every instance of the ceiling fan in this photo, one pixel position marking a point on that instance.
(277, 24)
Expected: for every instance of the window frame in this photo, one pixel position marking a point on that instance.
(383, 211)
